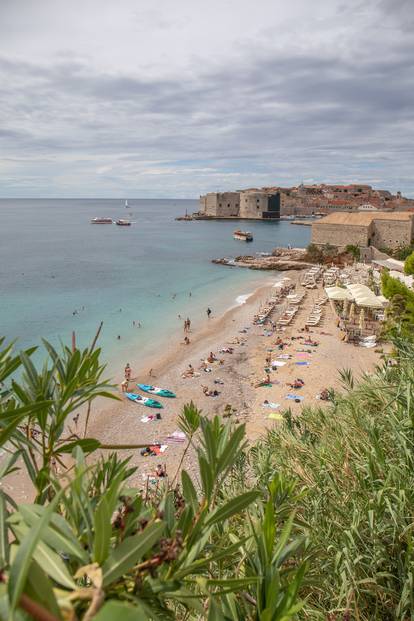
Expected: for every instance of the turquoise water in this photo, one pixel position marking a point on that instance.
(53, 262)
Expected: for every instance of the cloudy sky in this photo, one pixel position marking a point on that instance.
(174, 98)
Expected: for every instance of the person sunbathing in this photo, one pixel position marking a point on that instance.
(210, 393)
(211, 358)
(297, 383)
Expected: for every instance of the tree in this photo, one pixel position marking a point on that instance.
(409, 264)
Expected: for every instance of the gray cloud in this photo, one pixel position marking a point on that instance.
(262, 115)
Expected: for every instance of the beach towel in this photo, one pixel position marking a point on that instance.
(273, 406)
(303, 363)
(303, 354)
(278, 363)
(176, 436)
(275, 416)
(158, 449)
(294, 397)
(284, 357)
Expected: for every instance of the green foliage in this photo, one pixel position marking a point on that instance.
(354, 463)
(354, 251)
(92, 547)
(409, 264)
(314, 253)
(400, 312)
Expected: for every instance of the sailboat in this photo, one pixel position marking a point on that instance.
(126, 203)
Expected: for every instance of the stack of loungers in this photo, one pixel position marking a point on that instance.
(288, 316)
(296, 298)
(311, 277)
(330, 276)
(315, 315)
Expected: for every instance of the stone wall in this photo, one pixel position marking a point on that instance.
(221, 204)
(253, 204)
(392, 233)
(340, 235)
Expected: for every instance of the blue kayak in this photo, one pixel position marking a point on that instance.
(154, 390)
(151, 403)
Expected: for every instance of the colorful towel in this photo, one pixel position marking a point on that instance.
(294, 397)
(273, 406)
(303, 363)
(275, 416)
(278, 363)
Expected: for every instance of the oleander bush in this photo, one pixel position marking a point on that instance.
(93, 547)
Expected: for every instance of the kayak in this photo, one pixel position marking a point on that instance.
(154, 390)
(151, 403)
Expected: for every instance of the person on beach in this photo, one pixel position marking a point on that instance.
(186, 340)
(185, 326)
(124, 386)
(161, 471)
(188, 324)
(127, 371)
(150, 372)
(208, 313)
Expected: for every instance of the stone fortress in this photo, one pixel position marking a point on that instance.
(380, 229)
(303, 200)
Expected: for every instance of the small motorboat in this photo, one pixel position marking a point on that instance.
(155, 390)
(243, 235)
(151, 403)
(123, 222)
(101, 221)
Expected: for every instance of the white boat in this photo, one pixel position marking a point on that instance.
(123, 222)
(101, 221)
(243, 235)
(126, 203)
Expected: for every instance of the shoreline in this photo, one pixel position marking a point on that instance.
(236, 379)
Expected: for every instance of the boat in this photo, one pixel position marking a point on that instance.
(123, 222)
(101, 221)
(155, 390)
(243, 235)
(151, 403)
(126, 204)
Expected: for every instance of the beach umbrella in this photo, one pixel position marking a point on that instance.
(361, 319)
(351, 312)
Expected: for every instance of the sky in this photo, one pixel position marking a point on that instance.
(177, 98)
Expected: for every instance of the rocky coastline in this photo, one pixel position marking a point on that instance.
(281, 259)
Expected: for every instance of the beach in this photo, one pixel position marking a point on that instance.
(235, 378)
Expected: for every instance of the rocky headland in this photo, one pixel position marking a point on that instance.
(281, 259)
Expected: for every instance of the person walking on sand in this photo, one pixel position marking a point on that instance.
(188, 324)
(185, 326)
(124, 385)
(208, 313)
(150, 372)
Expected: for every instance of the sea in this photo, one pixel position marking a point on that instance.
(59, 273)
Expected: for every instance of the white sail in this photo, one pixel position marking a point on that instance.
(126, 203)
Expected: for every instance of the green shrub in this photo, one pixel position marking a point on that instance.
(409, 264)
(354, 251)
(353, 461)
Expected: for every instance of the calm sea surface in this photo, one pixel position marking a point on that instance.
(53, 263)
